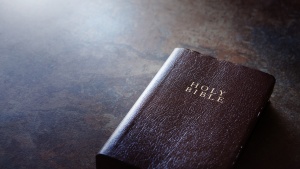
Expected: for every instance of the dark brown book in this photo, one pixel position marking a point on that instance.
(197, 112)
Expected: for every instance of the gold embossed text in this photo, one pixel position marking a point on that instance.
(206, 92)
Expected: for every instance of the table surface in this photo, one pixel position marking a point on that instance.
(70, 71)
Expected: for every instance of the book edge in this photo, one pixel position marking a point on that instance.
(147, 93)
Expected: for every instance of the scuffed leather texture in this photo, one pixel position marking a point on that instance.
(171, 128)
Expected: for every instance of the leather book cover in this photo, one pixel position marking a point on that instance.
(197, 112)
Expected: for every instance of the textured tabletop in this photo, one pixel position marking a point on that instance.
(70, 71)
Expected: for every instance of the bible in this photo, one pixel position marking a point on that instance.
(197, 112)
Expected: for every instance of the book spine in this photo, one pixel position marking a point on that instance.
(144, 99)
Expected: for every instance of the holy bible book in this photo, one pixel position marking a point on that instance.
(197, 112)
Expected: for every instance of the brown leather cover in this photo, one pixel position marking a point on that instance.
(197, 112)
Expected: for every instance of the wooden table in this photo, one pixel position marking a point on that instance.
(70, 71)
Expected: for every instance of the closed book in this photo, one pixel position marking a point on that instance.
(197, 112)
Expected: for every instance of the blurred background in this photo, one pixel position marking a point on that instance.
(70, 70)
